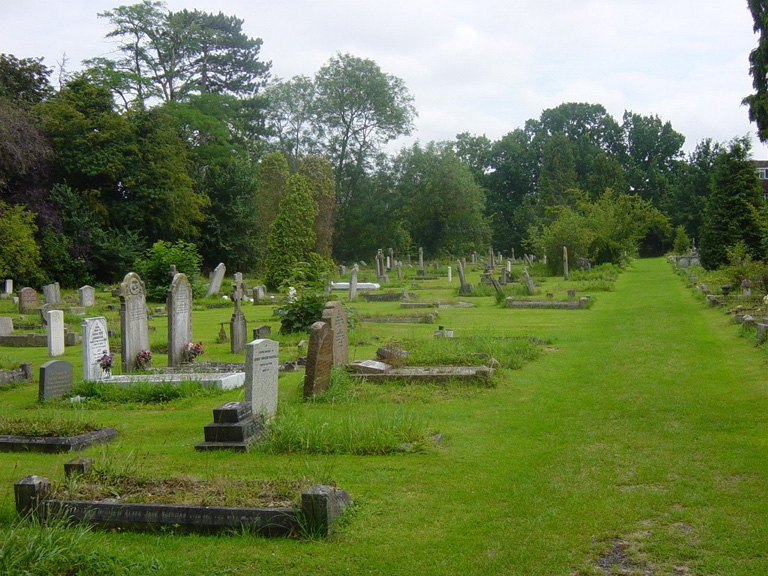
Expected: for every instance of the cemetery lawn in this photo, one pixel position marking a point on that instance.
(636, 441)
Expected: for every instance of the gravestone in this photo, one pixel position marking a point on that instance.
(491, 259)
(379, 265)
(133, 320)
(51, 293)
(237, 323)
(216, 279)
(353, 283)
(336, 317)
(55, 380)
(179, 306)
(262, 332)
(319, 360)
(464, 288)
(6, 326)
(261, 363)
(399, 267)
(391, 258)
(474, 257)
(8, 286)
(450, 278)
(509, 266)
(565, 263)
(27, 300)
(513, 254)
(528, 282)
(55, 332)
(421, 271)
(95, 344)
(87, 295)
(259, 293)
(342, 269)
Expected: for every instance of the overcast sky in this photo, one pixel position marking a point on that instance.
(478, 66)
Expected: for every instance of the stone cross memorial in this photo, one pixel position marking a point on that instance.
(317, 377)
(87, 296)
(216, 279)
(179, 306)
(55, 380)
(133, 319)
(261, 365)
(237, 323)
(336, 317)
(55, 332)
(27, 300)
(95, 344)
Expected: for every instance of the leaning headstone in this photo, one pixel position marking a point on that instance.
(565, 263)
(509, 266)
(133, 320)
(8, 286)
(336, 317)
(27, 300)
(55, 332)
(87, 295)
(464, 288)
(51, 293)
(237, 323)
(95, 344)
(353, 283)
(179, 306)
(55, 380)
(319, 360)
(261, 364)
(6, 326)
(216, 279)
(528, 282)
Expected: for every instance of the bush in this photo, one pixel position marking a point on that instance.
(682, 242)
(153, 267)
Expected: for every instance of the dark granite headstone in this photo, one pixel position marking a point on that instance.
(319, 360)
(55, 379)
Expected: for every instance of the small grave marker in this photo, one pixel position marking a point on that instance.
(55, 379)
(87, 295)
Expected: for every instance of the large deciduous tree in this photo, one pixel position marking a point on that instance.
(758, 68)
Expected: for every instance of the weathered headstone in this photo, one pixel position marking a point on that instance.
(509, 266)
(262, 332)
(464, 288)
(6, 326)
(421, 271)
(391, 258)
(261, 364)
(51, 293)
(87, 295)
(319, 360)
(565, 263)
(55, 379)
(179, 306)
(450, 278)
(8, 286)
(55, 332)
(27, 300)
(491, 259)
(353, 283)
(399, 267)
(528, 282)
(216, 279)
(259, 293)
(474, 257)
(95, 344)
(342, 269)
(237, 324)
(336, 317)
(133, 320)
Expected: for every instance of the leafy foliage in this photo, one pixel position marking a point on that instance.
(154, 267)
(19, 254)
(682, 242)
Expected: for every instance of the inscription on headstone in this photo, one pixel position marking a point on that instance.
(179, 306)
(95, 344)
(55, 379)
(319, 360)
(133, 320)
(336, 317)
(261, 365)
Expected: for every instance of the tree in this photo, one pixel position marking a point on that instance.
(758, 69)
(291, 237)
(272, 182)
(19, 254)
(24, 82)
(733, 207)
(291, 115)
(319, 175)
(558, 171)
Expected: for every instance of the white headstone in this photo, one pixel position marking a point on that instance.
(55, 332)
(6, 326)
(450, 278)
(8, 286)
(95, 344)
(216, 279)
(87, 295)
(261, 364)
(179, 306)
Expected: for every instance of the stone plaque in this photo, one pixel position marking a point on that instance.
(133, 320)
(336, 317)
(55, 332)
(179, 306)
(216, 279)
(95, 344)
(319, 360)
(261, 364)
(27, 300)
(87, 295)
(55, 379)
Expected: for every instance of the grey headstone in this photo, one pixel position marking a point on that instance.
(55, 332)
(133, 320)
(319, 360)
(261, 366)
(565, 263)
(216, 279)
(336, 317)
(6, 326)
(179, 306)
(55, 379)
(51, 293)
(421, 259)
(87, 295)
(353, 283)
(95, 344)
(450, 277)
(528, 282)
(262, 332)
(27, 300)
(237, 324)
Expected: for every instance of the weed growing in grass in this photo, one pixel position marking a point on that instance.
(299, 431)
(54, 548)
(142, 392)
(46, 426)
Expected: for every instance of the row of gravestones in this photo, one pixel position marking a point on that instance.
(29, 302)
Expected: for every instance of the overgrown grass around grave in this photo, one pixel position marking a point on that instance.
(142, 392)
(46, 426)
(468, 351)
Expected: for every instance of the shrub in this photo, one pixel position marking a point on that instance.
(682, 242)
(153, 267)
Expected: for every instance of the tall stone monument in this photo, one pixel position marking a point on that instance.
(179, 306)
(237, 324)
(133, 319)
(421, 271)
(565, 263)
(336, 316)
(261, 365)
(95, 344)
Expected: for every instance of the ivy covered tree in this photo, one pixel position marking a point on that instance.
(292, 235)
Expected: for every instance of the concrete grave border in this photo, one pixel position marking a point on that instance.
(55, 444)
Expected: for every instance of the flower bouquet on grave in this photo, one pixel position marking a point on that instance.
(144, 359)
(192, 351)
(105, 363)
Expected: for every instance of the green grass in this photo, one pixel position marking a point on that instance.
(140, 392)
(46, 426)
(640, 433)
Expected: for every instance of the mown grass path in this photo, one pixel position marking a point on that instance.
(640, 443)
